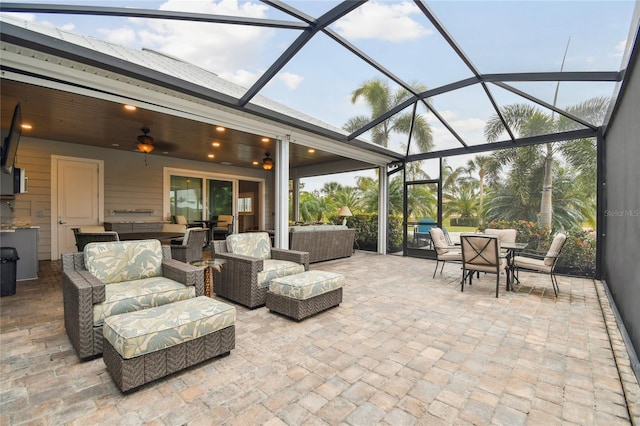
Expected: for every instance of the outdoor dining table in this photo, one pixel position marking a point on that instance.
(512, 249)
(128, 236)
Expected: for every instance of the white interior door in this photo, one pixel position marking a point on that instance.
(78, 199)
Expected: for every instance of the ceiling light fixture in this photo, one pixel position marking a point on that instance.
(267, 161)
(130, 107)
(211, 156)
(265, 139)
(145, 143)
(220, 129)
(215, 144)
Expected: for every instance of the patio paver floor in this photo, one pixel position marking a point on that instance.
(401, 349)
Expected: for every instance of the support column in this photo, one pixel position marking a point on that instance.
(383, 209)
(296, 199)
(281, 237)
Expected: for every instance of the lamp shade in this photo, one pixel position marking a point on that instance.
(344, 211)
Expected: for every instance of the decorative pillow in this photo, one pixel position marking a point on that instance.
(254, 244)
(113, 262)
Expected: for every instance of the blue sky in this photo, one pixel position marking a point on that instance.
(498, 36)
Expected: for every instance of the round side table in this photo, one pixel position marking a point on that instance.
(209, 265)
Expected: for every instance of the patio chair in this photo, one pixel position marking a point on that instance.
(542, 262)
(421, 233)
(504, 235)
(178, 228)
(91, 234)
(444, 250)
(481, 253)
(191, 248)
(180, 219)
(250, 264)
(223, 226)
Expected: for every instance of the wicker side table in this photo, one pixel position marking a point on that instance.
(209, 265)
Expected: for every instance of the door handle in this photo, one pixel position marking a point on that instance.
(61, 222)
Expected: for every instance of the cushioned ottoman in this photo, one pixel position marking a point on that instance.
(302, 295)
(143, 346)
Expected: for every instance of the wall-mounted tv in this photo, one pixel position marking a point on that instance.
(10, 145)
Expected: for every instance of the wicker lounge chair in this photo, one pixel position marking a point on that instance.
(250, 264)
(89, 299)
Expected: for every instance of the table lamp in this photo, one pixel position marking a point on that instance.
(344, 211)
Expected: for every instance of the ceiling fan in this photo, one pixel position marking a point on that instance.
(147, 144)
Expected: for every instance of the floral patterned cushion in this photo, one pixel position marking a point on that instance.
(130, 296)
(117, 261)
(254, 244)
(142, 332)
(306, 285)
(273, 268)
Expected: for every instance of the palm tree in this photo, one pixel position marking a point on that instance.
(481, 163)
(380, 99)
(464, 202)
(528, 120)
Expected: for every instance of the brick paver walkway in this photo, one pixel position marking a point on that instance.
(402, 349)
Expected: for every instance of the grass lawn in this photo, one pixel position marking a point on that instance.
(447, 224)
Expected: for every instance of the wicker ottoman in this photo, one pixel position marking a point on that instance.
(302, 295)
(143, 346)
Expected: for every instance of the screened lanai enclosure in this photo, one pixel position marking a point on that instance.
(459, 114)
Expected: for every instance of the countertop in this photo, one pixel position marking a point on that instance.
(6, 228)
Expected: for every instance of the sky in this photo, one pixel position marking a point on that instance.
(497, 36)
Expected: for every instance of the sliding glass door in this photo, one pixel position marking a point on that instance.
(220, 197)
(185, 197)
(201, 196)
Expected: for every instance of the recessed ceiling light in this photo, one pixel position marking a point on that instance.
(211, 156)
(255, 163)
(311, 150)
(220, 129)
(130, 107)
(265, 139)
(27, 126)
(216, 144)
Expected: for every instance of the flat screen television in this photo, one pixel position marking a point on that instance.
(10, 145)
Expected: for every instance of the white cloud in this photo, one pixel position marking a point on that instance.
(471, 130)
(382, 21)
(292, 81)
(222, 49)
(619, 49)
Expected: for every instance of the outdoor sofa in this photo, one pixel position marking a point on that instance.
(323, 242)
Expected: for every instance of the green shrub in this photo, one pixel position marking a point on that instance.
(578, 255)
(366, 226)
